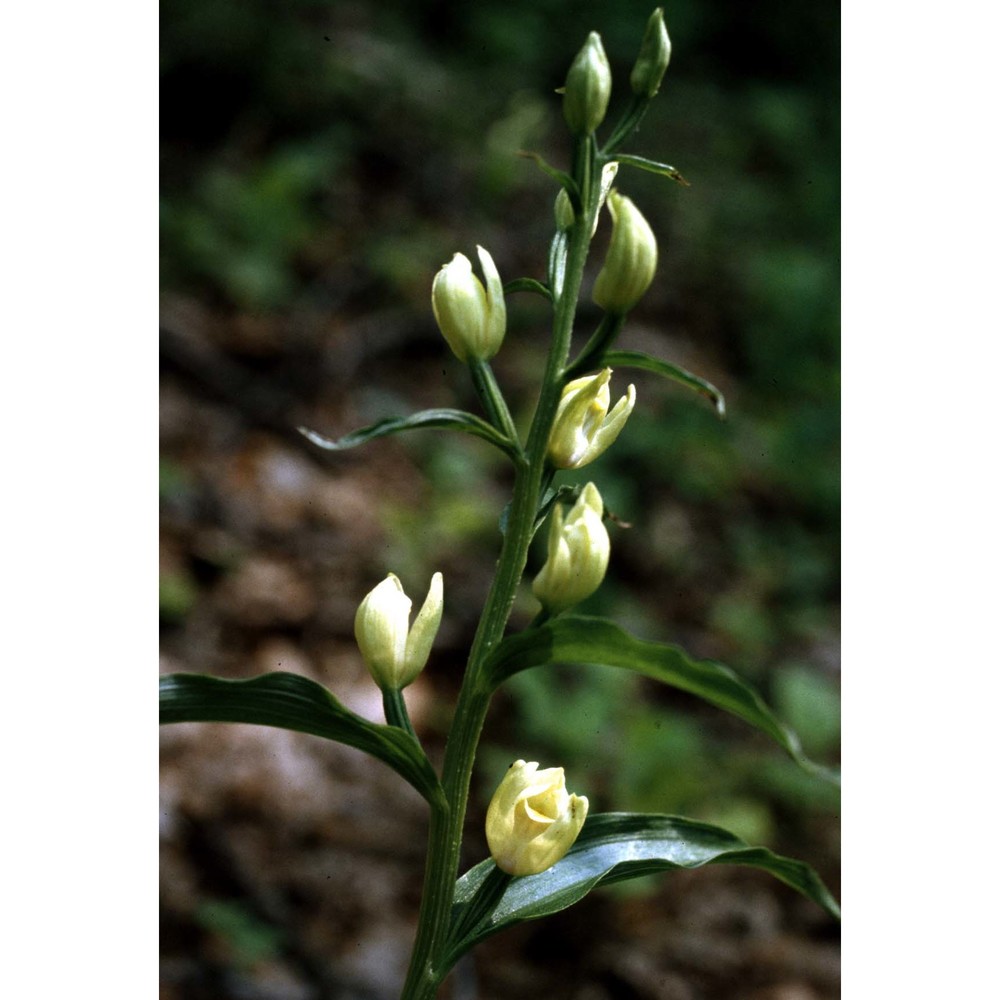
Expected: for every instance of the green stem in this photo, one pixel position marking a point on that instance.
(491, 397)
(629, 122)
(604, 337)
(395, 711)
(428, 961)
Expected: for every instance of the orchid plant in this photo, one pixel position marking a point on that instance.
(547, 850)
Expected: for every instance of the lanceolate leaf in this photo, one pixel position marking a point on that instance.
(527, 285)
(457, 420)
(636, 359)
(653, 167)
(575, 639)
(611, 847)
(559, 176)
(290, 701)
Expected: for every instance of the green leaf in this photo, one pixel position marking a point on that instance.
(576, 639)
(636, 359)
(457, 420)
(559, 176)
(290, 701)
(652, 166)
(527, 285)
(611, 847)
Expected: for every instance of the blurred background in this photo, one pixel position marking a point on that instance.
(320, 161)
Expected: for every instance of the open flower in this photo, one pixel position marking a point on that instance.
(473, 319)
(393, 652)
(583, 428)
(532, 820)
(579, 549)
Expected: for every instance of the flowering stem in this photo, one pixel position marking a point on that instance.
(428, 964)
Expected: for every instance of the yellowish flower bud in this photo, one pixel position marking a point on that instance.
(532, 820)
(564, 211)
(473, 319)
(588, 87)
(578, 554)
(631, 261)
(653, 58)
(393, 652)
(583, 428)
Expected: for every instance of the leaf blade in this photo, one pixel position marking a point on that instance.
(646, 362)
(445, 418)
(528, 285)
(562, 178)
(652, 166)
(290, 701)
(578, 639)
(613, 847)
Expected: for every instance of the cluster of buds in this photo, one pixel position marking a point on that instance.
(473, 319)
(393, 651)
(588, 83)
(578, 553)
(532, 821)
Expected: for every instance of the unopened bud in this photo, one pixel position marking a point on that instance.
(578, 553)
(583, 428)
(532, 820)
(472, 319)
(565, 217)
(653, 58)
(631, 261)
(393, 652)
(588, 87)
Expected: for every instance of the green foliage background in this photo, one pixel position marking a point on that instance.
(321, 160)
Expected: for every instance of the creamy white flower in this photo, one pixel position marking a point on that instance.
(583, 428)
(473, 319)
(579, 549)
(393, 652)
(532, 820)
